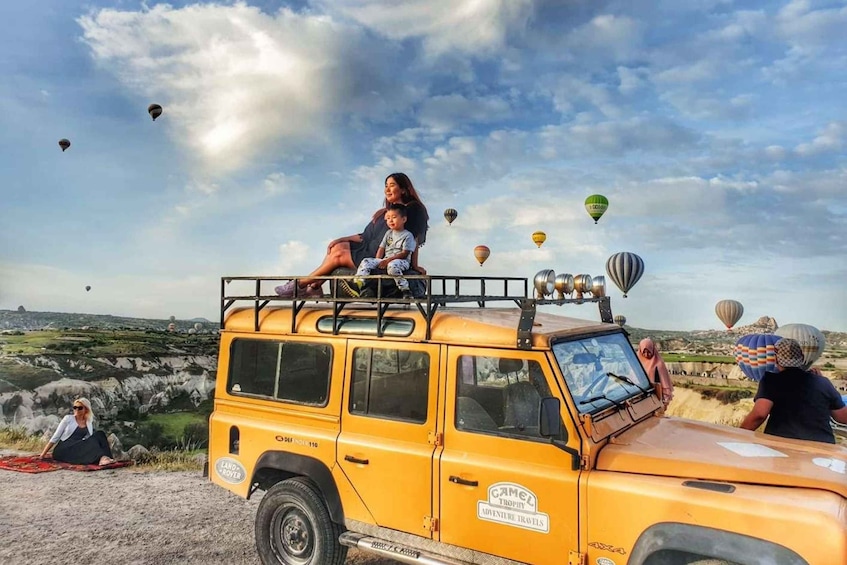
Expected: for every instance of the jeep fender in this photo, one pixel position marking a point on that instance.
(293, 464)
(709, 542)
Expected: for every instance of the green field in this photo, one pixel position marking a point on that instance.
(106, 343)
(686, 358)
(175, 422)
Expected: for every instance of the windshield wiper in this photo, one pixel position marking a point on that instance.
(600, 397)
(629, 381)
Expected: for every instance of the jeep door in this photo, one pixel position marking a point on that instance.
(504, 489)
(387, 423)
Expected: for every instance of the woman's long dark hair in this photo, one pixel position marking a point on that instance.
(409, 196)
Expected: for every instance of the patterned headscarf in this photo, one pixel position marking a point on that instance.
(789, 353)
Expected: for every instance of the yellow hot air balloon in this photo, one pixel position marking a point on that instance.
(481, 252)
(539, 237)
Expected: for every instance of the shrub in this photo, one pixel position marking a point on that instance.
(196, 434)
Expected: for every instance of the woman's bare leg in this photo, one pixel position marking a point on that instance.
(338, 256)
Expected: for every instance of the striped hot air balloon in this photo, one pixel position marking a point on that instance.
(810, 338)
(620, 320)
(625, 269)
(481, 252)
(729, 312)
(756, 354)
(596, 205)
(450, 214)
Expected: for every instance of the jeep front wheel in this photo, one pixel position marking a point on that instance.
(293, 527)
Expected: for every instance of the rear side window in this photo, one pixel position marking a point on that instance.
(280, 370)
(390, 383)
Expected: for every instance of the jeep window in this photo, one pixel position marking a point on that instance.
(586, 364)
(390, 383)
(499, 396)
(286, 371)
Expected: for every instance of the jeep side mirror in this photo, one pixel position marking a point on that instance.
(551, 421)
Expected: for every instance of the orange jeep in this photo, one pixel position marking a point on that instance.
(469, 427)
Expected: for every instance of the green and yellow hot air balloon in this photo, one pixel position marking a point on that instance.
(596, 205)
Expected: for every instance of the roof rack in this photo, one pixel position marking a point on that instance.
(440, 291)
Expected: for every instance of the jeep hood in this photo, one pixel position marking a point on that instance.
(676, 447)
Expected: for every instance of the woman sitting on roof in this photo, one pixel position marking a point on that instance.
(349, 251)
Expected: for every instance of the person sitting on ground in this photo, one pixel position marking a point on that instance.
(393, 254)
(796, 403)
(657, 371)
(76, 441)
(349, 251)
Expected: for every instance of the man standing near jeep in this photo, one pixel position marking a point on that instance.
(796, 403)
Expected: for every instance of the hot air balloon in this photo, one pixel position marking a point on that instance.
(596, 205)
(729, 312)
(756, 354)
(87, 288)
(625, 269)
(810, 338)
(198, 326)
(539, 237)
(620, 320)
(172, 318)
(154, 110)
(450, 214)
(481, 252)
(192, 331)
(64, 144)
(171, 327)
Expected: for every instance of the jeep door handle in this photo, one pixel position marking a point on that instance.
(461, 481)
(352, 459)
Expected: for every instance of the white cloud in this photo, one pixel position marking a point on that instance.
(445, 113)
(236, 82)
(829, 140)
(613, 36)
(639, 134)
(445, 26)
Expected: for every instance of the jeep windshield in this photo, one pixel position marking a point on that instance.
(601, 371)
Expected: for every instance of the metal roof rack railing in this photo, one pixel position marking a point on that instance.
(440, 290)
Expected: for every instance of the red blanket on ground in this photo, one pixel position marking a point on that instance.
(32, 464)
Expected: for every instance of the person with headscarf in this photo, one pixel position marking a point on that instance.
(76, 441)
(657, 371)
(797, 403)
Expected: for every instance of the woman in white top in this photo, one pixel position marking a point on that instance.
(76, 441)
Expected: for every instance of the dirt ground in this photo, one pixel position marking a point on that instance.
(123, 516)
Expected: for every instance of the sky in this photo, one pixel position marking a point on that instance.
(716, 129)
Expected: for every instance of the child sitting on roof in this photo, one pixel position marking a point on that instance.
(393, 254)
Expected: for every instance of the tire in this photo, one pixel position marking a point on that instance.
(293, 527)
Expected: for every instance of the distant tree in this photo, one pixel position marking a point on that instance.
(21, 308)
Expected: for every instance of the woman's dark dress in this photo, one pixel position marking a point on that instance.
(81, 450)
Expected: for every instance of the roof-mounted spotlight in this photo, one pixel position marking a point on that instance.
(598, 286)
(544, 282)
(563, 285)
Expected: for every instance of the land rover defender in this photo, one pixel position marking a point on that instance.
(477, 426)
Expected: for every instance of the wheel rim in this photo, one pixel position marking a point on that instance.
(293, 536)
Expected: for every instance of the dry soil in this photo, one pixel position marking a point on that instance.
(124, 516)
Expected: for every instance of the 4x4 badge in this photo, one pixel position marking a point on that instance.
(513, 505)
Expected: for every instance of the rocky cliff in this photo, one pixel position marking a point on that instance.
(114, 385)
